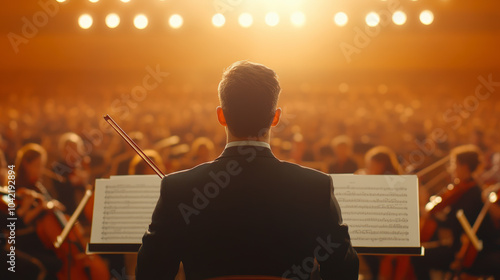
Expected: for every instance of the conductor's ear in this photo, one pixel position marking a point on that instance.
(220, 116)
(277, 117)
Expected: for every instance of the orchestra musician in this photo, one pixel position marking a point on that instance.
(488, 260)
(74, 176)
(41, 221)
(247, 213)
(31, 204)
(465, 194)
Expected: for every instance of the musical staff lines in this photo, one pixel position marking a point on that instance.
(123, 208)
(378, 213)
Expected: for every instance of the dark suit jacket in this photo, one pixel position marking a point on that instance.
(247, 213)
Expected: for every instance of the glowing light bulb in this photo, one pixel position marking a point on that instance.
(298, 19)
(426, 17)
(340, 19)
(218, 20)
(85, 21)
(372, 19)
(272, 19)
(399, 18)
(140, 21)
(112, 20)
(175, 21)
(245, 20)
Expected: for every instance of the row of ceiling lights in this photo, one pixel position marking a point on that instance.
(297, 19)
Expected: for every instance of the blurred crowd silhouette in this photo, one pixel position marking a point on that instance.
(335, 132)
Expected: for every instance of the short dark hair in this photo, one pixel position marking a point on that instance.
(248, 93)
(468, 155)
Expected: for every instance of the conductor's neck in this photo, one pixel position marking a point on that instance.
(231, 138)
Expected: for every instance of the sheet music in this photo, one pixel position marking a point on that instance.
(123, 206)
(380, 210)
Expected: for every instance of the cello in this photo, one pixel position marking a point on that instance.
(77, 265)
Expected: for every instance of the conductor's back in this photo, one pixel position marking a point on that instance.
(247, 213)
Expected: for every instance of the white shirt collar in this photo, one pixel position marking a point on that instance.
(248, 143)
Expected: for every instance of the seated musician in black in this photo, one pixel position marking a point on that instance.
(447, 240)
(247, 213)
(37, 261)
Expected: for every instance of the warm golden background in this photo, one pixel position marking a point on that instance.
(411, 87)
(400, 87)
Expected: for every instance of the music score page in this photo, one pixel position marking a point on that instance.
(380, 210)
(123, 206)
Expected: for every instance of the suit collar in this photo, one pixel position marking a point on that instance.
(246, 151)
(248, 143)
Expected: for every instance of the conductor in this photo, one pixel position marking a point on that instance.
(247, 212)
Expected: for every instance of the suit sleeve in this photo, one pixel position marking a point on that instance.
(158, 257)
(341, 261)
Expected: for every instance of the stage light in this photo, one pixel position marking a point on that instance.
(272, 19)
(245, 20)
(399, 18)
(426, 17)
(298, 19)
(85, 21)
(372, 19)
(175, 21)
(93, 1)
(218, 20)
(61, 1)
(140, 21)
(125, 1)
(112, 20)
(340, 19)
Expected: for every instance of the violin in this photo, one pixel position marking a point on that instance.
(470, 248)
(446, 197)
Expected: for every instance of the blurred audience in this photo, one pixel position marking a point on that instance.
(335, 132)
(202, 150)
(343, 161)
(381, 160)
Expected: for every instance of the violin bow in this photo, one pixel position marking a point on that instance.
(134, 146)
